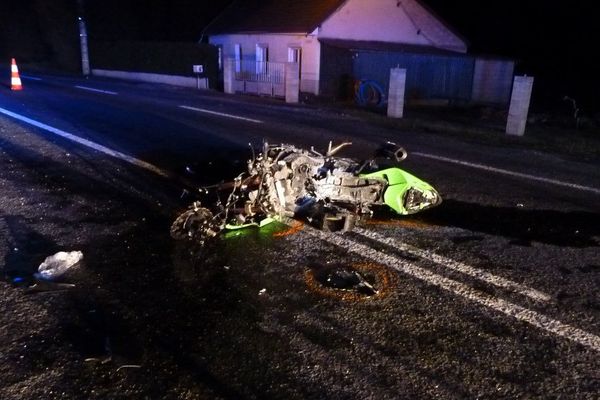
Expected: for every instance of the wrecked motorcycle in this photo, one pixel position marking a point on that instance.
(328, 192)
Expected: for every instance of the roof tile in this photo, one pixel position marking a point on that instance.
(273, 16)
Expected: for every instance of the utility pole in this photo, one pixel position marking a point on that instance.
(85, 55)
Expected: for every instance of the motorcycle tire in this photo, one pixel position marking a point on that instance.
(194, 224)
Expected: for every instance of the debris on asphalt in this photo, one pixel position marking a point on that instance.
(48, 286)
(56, 265)
(353, 282)
(347, 279)
(128, 366)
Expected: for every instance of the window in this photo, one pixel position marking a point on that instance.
(220, 57)
(237, 49)
(294, 54)
(262, 58)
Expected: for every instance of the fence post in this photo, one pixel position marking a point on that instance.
(519, 105)
(228, 75)
(292, 82)
(396, 91)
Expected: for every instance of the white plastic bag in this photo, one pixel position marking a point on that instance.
(56, 265)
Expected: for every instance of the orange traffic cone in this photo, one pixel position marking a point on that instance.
(15, 80)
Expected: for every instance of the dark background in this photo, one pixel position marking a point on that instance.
(554, 42)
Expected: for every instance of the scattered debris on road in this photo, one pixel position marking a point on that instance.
(56, 265)
(353, 282)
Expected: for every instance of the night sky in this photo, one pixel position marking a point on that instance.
(155, 20)
(553, 41)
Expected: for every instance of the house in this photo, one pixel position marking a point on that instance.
(337, 42)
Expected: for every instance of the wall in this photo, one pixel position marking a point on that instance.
(458, 78)
(337, 78)
(492, 81)
(278, 45)
(175, 80)
(428, 76)
(394, 21)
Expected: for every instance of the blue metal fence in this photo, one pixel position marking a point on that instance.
(428, 76)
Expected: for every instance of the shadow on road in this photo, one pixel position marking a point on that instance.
(522, 226)
(27, 250)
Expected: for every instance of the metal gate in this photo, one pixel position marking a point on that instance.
(260, 78)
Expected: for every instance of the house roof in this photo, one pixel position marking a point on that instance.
(303, 17)
(273, 16)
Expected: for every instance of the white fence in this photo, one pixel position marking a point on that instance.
(261, 78)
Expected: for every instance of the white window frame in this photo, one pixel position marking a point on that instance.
(237, 54)
(220, 57)
(262, 58)
(294, 54)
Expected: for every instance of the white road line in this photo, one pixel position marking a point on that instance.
(96, 90)
(87, 143)
(202, 110)
(508, 172)
(513, 310)
(456, 266)
(33, 78)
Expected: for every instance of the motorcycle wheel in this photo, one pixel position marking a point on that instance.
(194, 224)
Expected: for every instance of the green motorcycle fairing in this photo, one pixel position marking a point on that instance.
(405, 193)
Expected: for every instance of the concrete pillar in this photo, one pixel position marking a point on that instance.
(292, 82)
(228, 75)
(83, 39)
(396, 93)
(519, 105)
(83, 44)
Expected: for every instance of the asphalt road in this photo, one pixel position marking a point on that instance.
(494, 294)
